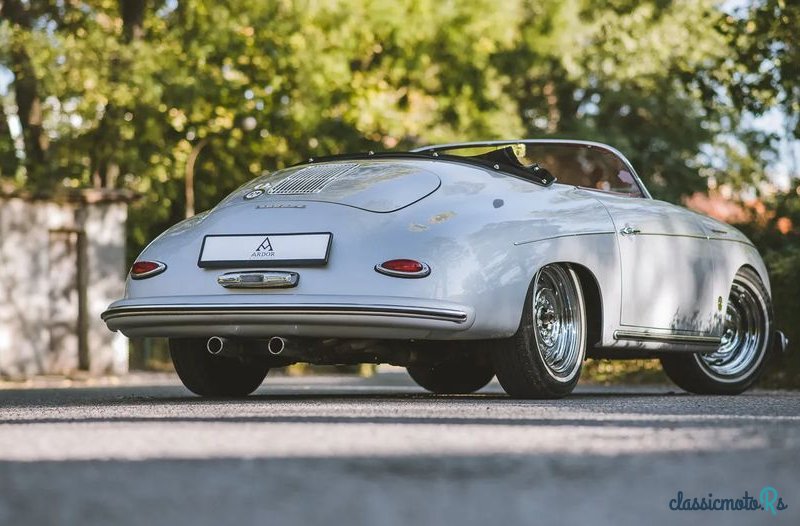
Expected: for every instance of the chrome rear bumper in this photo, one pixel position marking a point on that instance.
(257, 320)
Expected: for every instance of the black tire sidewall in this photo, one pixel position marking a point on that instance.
(467, 370)
(216, 376)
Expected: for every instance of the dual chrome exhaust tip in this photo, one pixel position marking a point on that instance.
(217, 345)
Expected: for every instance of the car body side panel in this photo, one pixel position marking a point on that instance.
(696, 255)
(665, 264)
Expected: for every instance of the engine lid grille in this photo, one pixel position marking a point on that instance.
(312, 179)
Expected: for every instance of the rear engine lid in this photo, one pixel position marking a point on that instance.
(372, 185)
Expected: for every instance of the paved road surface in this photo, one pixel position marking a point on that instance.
(334, 450)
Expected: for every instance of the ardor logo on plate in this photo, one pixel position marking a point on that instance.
(264, 250)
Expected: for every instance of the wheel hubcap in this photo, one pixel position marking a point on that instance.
(744, 335)
(557, 322)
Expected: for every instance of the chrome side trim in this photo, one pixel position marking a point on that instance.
(258, 280)
(455, 316)
(577, 234)
(666, 337)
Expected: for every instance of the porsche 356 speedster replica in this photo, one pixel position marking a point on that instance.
(460, 262)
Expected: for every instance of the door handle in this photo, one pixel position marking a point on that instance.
(628, 230)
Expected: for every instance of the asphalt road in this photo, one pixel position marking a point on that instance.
(333, 450)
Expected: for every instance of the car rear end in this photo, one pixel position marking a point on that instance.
(324, 250)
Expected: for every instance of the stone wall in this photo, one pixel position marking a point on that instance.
(61, 263)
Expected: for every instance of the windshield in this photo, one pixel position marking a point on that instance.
(582, 165)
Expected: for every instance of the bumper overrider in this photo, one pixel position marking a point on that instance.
(339, 317)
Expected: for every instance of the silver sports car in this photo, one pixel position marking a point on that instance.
(460, 262)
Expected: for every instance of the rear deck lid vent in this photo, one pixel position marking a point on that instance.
(312, 179)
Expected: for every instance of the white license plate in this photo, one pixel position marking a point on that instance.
(265, 250)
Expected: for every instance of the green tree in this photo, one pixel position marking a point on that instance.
(763, 69)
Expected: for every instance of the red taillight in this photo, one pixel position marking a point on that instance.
(403, 268)
(403, 265)
(146, 269)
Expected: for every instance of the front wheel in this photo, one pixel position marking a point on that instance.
(209, 375)
(743, 351)
(544, 358)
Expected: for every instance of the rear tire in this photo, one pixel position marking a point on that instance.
(544, 358)
(207, 375)
(745, 349)
(461, 375)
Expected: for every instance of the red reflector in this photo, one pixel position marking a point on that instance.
(402, 265)
(145, 269)
(405, 268)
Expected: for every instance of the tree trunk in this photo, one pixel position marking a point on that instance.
(8, 150)
(132, 12)
(189, 180)
(26, 91)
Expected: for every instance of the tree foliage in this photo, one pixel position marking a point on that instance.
(146, 94)
(763, 69)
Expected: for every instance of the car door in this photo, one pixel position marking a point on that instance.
(666, 266)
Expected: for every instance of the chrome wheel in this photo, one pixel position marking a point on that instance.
(744, 350)
(558, 321)
(744, 337)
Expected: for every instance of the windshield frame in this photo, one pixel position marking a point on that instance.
(435, 148)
